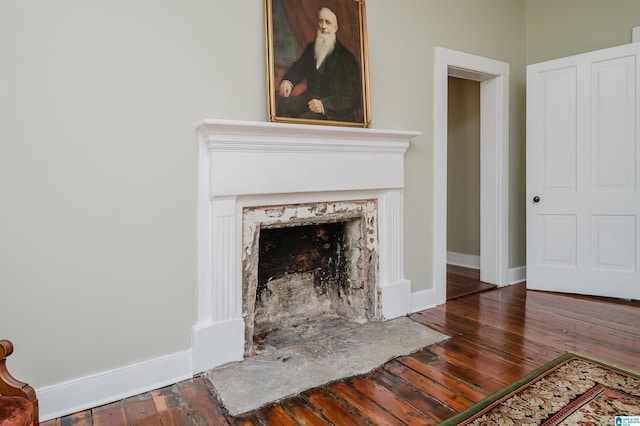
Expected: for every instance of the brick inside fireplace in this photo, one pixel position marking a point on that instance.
(306, 263)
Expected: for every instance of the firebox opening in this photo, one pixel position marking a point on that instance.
(308, 268)
(306, 273)
(312, 248)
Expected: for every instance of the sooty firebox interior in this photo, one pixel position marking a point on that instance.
(319, 249)
(309, 273)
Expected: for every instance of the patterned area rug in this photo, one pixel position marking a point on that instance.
(571, 390)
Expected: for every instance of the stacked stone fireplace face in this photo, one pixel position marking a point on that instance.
(266, 187)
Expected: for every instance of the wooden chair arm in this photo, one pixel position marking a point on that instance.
(10, 386)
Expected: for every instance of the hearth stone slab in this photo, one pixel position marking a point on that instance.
(286, 371)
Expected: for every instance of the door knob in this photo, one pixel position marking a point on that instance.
(536, 199)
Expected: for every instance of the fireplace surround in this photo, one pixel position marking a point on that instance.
(254, 166)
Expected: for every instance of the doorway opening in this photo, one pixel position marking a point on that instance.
(463, 189)
(493, 77)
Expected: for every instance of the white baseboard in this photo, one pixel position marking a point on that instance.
(464, 260)
(425, 299)
(215, 344)
(517, 275)
(109, 386)
(396, 299)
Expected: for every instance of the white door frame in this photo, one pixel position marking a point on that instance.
(494, 164)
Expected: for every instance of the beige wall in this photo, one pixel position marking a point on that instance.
(463, 167)
(98, 103)
(98, 162)
(557, 28)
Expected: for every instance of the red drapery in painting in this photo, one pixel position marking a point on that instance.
(303, 20)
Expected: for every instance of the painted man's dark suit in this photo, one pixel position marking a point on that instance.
(336, 83)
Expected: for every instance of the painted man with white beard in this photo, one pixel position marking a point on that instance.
(331, 72)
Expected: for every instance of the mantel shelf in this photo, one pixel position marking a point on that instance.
(232, 135)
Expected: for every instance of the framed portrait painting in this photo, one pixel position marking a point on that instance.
(316, 55)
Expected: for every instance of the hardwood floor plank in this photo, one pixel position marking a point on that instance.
(203, 408)
(471, 376)
(389, 401)
(173, 417)
(587, 322)
(514, 360)
(304, 414)
(428, 405)
(463, 281)
(165, 398)
(501, 370)
(277, 415)
(429, 390)
(506, 335)
(252, 419)
(170, 407)
(141, 410)
(109, 415)
(83, 418)
(365, 407)
(439, 378)
(331, 409)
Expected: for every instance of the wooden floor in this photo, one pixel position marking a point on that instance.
(497, 336)
(464, 281)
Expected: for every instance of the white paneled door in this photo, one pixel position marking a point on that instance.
(583, 175)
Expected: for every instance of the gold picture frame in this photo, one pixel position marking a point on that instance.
(340, 81)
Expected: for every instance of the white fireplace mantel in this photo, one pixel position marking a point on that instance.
(257, 157)
(244, 164)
